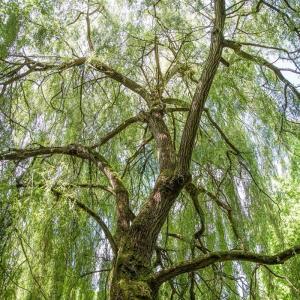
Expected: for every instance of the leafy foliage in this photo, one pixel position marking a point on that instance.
(245, 161)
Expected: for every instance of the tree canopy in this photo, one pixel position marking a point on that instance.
(149, 149)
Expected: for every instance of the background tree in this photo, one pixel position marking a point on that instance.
(149, 149)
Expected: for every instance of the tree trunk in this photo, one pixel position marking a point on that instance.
(132, 266)
(129, 275)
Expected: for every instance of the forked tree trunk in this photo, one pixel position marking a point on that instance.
(132, 266)
(133, 261)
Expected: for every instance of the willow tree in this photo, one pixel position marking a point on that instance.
(149, 149)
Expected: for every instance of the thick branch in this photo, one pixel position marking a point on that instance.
(209, 259)
(202, 90)
(149, 221)
(163, 140)
(21, 154)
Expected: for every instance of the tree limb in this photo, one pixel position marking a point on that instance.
(36, 66)
(223, 135)
(194, 192)
(214, 257)
(117, 76)
(202, 89)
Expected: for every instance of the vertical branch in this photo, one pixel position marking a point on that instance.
(161, 134)
(158, 69)
(88, 28)
(202, 90)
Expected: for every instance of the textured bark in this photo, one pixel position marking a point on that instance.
(203, 87)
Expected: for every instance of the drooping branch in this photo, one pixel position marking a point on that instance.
(103, 226)
(223, 135)
(95, 216)
(202, 89)
(214, 257)
(285, 17)
(236, 47)
(224, 206)
(34, 277)
(83, 207)
(136, 154)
